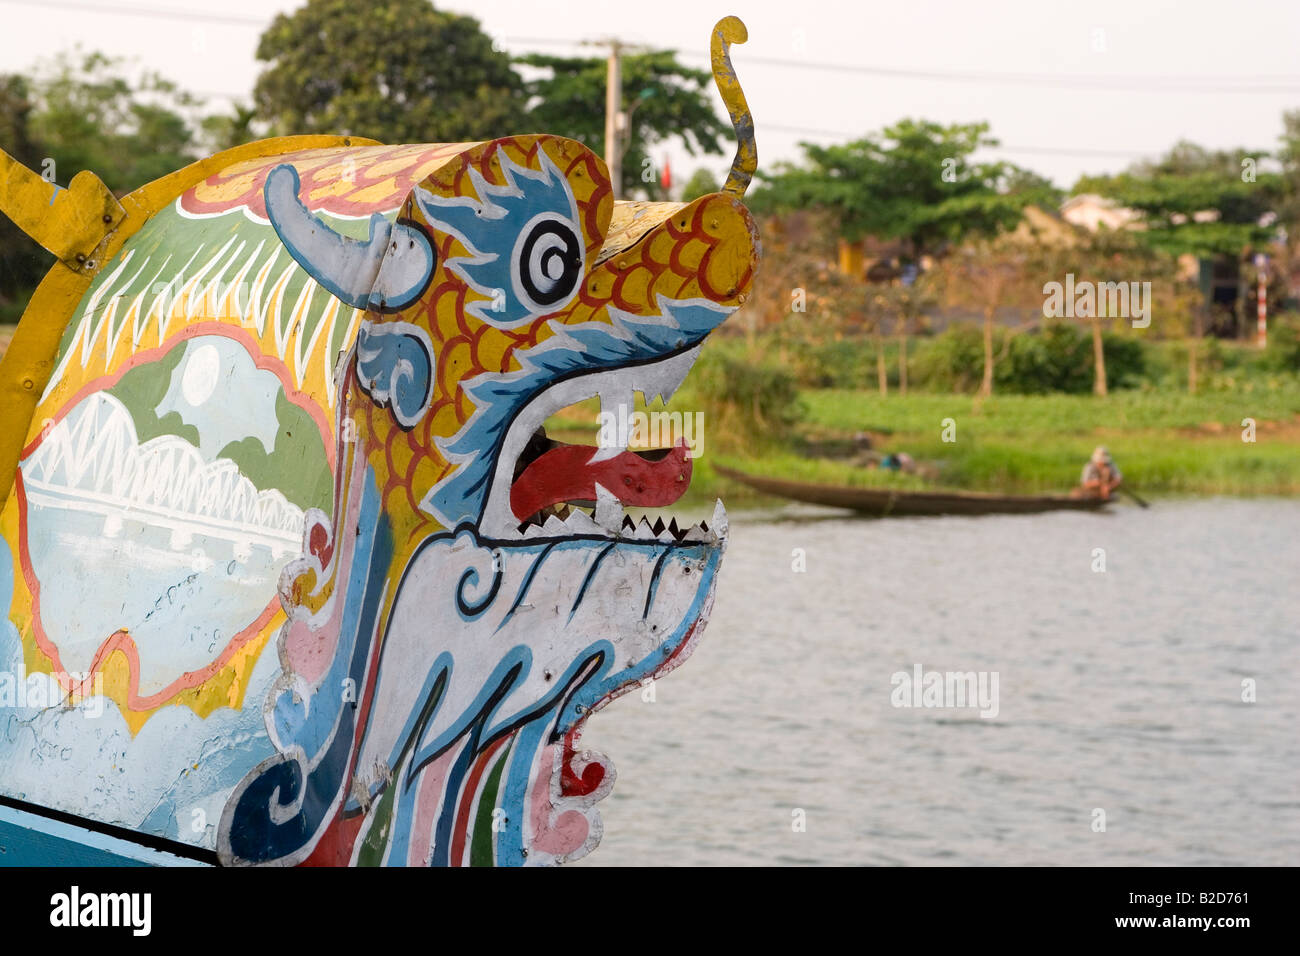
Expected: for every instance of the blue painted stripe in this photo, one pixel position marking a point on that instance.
(27, 839)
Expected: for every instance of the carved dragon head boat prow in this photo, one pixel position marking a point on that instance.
(328, 362)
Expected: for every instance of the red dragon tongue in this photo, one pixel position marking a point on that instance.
(567, 473)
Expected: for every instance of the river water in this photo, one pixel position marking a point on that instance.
(1119, 695)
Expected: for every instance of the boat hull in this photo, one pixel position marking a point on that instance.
(887, 502)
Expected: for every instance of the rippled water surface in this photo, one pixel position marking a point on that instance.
(1119, 691)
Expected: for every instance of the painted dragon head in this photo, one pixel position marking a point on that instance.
(478, 591)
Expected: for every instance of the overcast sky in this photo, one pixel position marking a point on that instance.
(1069, 87)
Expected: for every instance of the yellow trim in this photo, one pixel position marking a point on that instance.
(731, 30)
(68, 222)
(29, 361)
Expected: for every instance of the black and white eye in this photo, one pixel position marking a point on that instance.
(548, 262)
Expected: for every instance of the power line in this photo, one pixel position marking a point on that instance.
(139, 11)
(1046, 150)
(1093, 82)
(1097, 82)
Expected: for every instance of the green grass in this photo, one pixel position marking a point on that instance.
(1165, 441)
(1018, 415)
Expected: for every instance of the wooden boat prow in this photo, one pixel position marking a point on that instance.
(883, 502)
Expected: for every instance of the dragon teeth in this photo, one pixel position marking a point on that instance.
(579, 522)
(609, 510)
(696, 532)
(719, 520)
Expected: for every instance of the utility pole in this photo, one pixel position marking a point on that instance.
(1261, 300)
(614, 117)
(617, 120)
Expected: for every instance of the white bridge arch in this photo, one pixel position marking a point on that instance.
(92, 461)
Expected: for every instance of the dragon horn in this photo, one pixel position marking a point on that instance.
(345, 267)
(731, 30)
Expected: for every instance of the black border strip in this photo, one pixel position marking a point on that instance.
(162, 844)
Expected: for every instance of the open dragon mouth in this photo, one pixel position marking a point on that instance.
(545, 488)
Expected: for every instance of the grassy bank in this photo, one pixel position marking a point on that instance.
(1163, 441)
(1166, 442)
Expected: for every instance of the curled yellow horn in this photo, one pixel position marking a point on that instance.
(731, 30)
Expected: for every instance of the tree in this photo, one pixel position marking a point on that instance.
(1197, 201)
(1211, 204)
(990, 274)
(915, 181)
(89, 115)
(876, 307)
(1288, 207)
(22, 262)
(907, 303)
(226, 130)
(395, 70)
(1106, 256)
(662, 98)
(82, 111)
(701, 183)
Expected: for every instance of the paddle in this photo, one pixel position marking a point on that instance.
(1135, 496)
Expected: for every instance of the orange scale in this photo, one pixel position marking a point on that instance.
(660, 248)
(688, 289)
(400, 455)
(619, 296)
(686, 257)
(490, 351)
(454, 359)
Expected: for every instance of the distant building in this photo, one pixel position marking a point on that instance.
(1092, 211)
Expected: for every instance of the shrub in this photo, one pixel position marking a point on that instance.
(1126, 360)
(746, 401)
(1056, 359)
(951, 361)
(1283, 352)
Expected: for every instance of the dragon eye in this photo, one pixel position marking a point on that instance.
(548, 262)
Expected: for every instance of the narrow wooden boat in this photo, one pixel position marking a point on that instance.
(883, 502)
